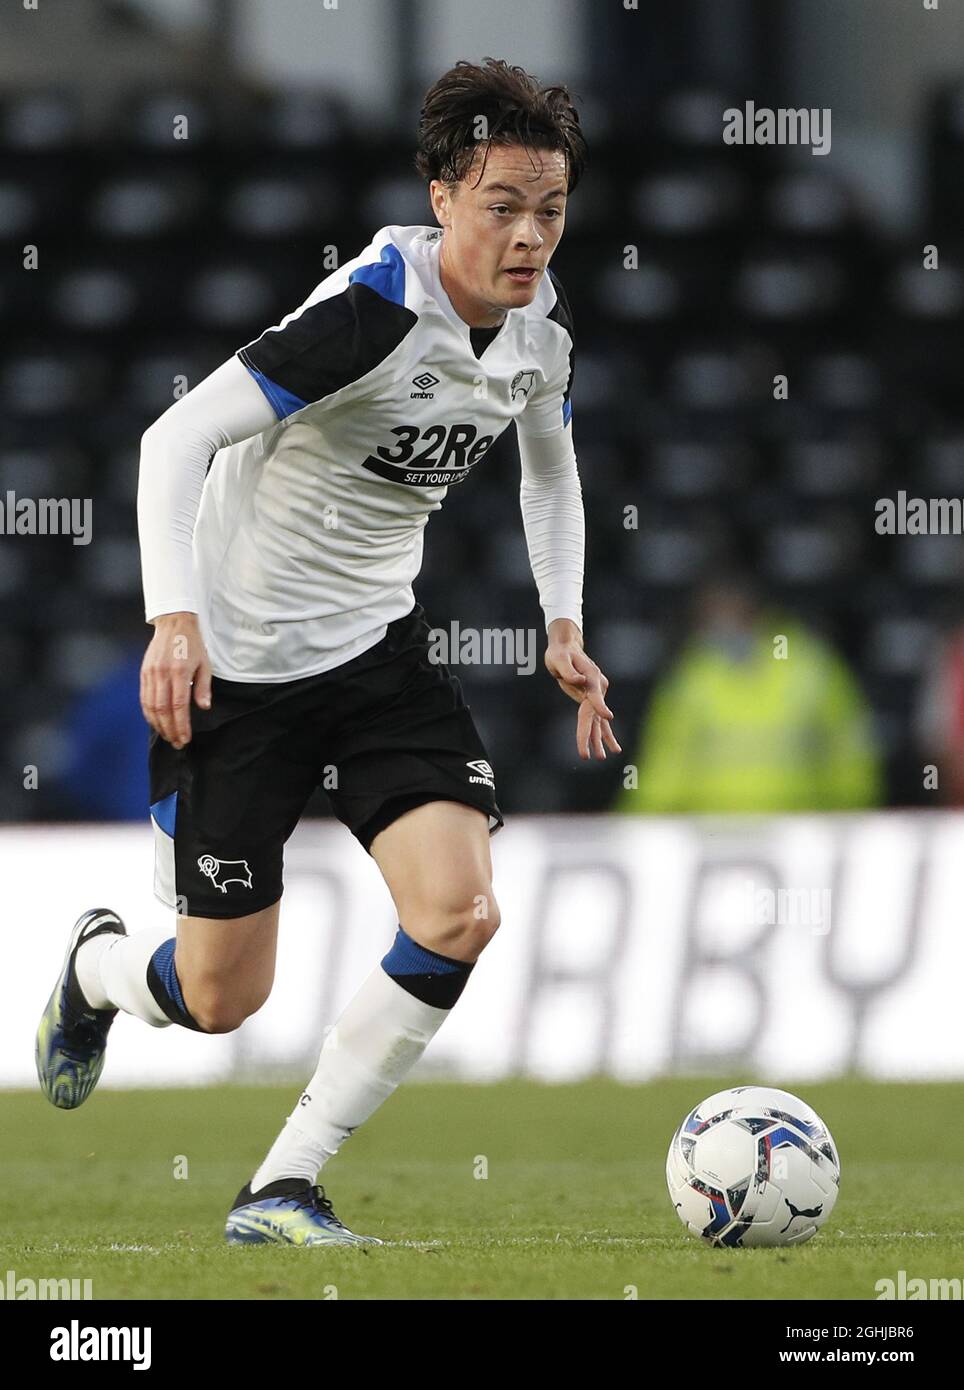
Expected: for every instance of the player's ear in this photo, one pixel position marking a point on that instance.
(438, 194)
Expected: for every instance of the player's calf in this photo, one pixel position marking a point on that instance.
(219, 973)
(222, 1006)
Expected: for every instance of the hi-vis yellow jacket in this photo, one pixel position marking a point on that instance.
(766, 734)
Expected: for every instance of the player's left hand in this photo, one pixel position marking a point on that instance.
(584, 682)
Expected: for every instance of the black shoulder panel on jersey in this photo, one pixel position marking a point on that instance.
(328, 346)
(561, 313)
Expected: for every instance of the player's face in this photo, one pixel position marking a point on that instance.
(513, 217)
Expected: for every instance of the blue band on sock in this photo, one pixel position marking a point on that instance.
(166, 987)
(434, 979)
(407, 957)
(163, 959)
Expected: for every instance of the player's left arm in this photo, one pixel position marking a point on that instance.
(555, 527)
(552, 512)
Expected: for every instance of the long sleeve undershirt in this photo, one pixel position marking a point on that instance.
(550, 497)
(176, 452)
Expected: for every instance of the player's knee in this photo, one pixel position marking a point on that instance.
(489, 919)
(464, 930)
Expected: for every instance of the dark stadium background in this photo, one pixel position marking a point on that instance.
(159, 258)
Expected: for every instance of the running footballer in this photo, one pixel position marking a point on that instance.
(282, 506)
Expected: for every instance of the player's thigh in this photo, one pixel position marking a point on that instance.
(225, 805)
(437, 864)
(232, 959)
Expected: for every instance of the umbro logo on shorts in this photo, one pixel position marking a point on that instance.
(221, 872)
(487, 777)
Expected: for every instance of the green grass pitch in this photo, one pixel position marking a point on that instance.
(574, 1205)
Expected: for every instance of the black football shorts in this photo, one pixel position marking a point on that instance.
(381, 734)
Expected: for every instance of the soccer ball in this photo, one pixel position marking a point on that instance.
(753, 1166)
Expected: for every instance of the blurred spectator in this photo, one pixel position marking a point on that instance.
(747, 722)
(939, 722)
(106, 776)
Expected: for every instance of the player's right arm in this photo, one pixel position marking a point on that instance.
(176, 452)
(330, 347)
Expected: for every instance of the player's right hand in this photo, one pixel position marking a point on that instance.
(175, 661)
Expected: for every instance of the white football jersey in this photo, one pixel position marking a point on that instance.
(309, 536)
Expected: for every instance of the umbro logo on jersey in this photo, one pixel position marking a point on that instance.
(423, 381)
(522, 384)
(487, 778)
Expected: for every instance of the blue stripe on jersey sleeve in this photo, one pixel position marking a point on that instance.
(566, 412)
(283, 402)
(385, 276)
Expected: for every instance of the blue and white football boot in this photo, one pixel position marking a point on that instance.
(72, 1037)
(288, 1212)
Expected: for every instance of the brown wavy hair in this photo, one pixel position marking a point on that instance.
(517, 111)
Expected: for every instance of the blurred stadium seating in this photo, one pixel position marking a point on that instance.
(162, 257)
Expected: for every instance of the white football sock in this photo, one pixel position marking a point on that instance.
(112, 973)
(377, 1040)
(87, 966)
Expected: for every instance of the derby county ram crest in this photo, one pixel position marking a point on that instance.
(522, 384)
